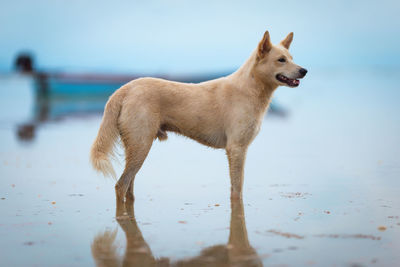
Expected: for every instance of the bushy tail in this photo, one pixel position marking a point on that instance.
(108, 134)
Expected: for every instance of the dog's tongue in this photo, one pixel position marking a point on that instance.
(294, 82)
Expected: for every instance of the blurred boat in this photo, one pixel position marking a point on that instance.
(69, 84)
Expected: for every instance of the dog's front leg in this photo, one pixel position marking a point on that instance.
(236, 157)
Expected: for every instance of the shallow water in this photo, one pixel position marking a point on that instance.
(321, 186)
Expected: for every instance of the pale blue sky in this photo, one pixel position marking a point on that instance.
(198, 36)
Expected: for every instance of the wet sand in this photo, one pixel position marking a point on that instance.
(321, 186)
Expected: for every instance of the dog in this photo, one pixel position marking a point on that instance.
(223, 113)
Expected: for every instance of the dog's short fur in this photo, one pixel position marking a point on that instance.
(221, 113)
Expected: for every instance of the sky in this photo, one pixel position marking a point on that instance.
(179, 36)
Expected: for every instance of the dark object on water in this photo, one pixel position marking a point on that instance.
(26, 132)
(24, 63)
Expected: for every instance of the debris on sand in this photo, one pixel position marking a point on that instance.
(356, 236)
(287, 235)
(382, 228)
(76, 195)
(294, 195)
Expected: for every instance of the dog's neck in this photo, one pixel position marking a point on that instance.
(246, 79)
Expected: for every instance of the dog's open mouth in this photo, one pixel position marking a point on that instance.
(288, 81)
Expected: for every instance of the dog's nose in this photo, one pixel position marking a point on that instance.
(303, 72)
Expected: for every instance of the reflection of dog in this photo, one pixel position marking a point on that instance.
(237, 252)
(221, 113)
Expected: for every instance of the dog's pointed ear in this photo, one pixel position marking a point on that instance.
(265, 45)
(287, 41)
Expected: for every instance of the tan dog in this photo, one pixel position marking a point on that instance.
(221, 113)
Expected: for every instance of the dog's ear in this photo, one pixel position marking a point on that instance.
(287, 41)
(265, 45)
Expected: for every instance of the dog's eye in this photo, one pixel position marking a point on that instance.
(282, 59)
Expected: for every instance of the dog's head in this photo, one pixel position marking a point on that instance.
(275, 65)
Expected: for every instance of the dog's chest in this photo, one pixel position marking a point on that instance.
(254, 129)
(246, 129)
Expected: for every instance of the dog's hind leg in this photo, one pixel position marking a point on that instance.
(135, 155)
(137, 135)
(129, 194)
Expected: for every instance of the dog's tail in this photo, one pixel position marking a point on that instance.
(108, 134)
